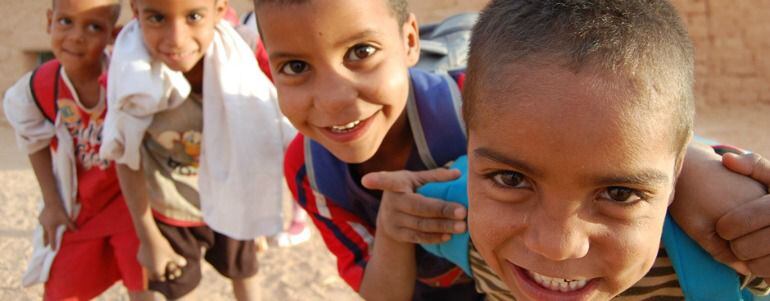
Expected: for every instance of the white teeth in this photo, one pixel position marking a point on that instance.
(345, 128)
(558, 284)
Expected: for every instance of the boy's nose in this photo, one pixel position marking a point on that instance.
(556, 238)
(177, 33)
(78, 34)
(334, 92)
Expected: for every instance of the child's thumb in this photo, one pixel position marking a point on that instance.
(751, 165)
(181, 261)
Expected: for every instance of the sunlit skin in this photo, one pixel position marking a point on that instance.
(178, 32)
(79, 30)
(568, 179)
(344, 66)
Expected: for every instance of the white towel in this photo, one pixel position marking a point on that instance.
(34, 133)
(244, 134)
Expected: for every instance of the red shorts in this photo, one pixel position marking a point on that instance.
(83, 269)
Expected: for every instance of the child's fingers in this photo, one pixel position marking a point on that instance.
(429, 225)
(752, 246)
(45, 236)
(745, 219)
(396, 181)
(436, 175)
(406, 181)
(417, 237)
(760, 267)
(417, 205)
(71, 225)
(752, 165)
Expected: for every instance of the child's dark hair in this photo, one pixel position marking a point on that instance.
(398, 8)
(118, 4)
(643, 41)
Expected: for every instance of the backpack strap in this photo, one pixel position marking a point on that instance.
(44, 87)
(434, 111)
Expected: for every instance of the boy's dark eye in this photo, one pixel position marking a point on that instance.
(294, 67)
(510, 179)
(194, 17)
(360, 52)
(155, 19)
(621, 195)
(65, 21)
(94, 27)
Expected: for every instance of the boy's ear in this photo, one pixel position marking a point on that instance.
(678, 168)
(49, 17)
(411, 34)
(134, 9)
(220, 6)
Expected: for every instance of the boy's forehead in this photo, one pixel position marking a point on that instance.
(558, 100)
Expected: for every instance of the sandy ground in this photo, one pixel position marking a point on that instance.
(304, 272)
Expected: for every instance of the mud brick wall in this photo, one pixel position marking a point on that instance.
(732, 44)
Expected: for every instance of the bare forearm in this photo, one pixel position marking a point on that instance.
(43, 166)
(132, 184)
(705, 179)
(391, 271)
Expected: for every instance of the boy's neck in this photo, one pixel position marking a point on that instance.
(195, 77)
(393, 152)
(85, 81)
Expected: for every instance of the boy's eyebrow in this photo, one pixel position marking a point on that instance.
(358, 36)
(643, 177)
(500, 158)
(150, 10)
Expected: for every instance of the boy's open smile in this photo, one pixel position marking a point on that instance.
(540, 287)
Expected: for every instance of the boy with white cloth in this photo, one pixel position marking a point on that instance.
(216, 186)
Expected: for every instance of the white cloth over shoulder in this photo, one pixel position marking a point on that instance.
(34, 133)
(244, 133)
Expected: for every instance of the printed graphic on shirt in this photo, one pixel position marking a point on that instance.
(184, 151)
(86, 130)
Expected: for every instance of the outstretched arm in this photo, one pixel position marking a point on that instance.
(404, 219)
(53, 214)
(155, 252)
(706, 191)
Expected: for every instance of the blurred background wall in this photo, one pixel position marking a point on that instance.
(732, 40)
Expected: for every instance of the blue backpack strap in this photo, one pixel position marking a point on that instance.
(700, 276)
(435, 119)
(326, 175)
(457, 247)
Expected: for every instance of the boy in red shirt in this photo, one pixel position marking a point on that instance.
(57, 112)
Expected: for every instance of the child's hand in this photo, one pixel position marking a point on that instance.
(747, 227)
(51, 217)
(160, 260)
(409, 217)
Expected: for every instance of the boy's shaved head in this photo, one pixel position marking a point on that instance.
(117, 5)
(642, 42)
(398, 8)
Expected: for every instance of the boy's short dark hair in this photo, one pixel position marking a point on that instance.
(399, 8)
(643, 41)
(115, 10)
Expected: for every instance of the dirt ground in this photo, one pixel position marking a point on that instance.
(305, 272)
